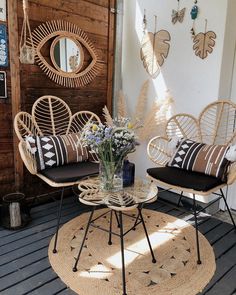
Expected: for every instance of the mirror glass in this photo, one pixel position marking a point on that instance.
(67, 54)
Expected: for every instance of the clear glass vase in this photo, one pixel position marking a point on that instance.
(111, 176)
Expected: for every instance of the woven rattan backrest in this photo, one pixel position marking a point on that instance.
(80, 119)
(24, 125)
(51, 115)
(217, 122)
(183, 126)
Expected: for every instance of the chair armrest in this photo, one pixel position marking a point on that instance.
(157, 150)
(27, 157)
(24, 125)
(231, 177)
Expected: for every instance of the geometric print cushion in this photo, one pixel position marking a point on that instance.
(58, 150)
(200, 157)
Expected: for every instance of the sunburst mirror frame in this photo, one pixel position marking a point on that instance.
(58, 29)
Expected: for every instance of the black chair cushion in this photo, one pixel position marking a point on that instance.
(71, 172)
(185, 179)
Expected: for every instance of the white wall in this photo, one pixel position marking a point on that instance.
(193, 82)
(228, 77)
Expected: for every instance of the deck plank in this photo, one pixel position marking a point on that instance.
(226, 285)
(26, 272)
(56, 285)
(44, 212)
(34, 235)
(224, 244)
(32, 283)
(25, 269)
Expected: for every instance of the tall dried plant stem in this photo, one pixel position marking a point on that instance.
(121, 105)
(149, 125)
(107, 116)
(141, 103)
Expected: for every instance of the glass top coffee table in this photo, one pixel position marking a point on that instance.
(127, 199)
(119, 203)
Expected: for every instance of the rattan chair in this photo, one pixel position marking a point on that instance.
(215, 125)
(52, 116)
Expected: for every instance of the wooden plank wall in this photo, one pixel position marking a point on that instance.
(95, 18)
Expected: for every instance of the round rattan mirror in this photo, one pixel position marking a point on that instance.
(66, 54)
(74, 66)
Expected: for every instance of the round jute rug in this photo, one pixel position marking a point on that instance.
(99, 270)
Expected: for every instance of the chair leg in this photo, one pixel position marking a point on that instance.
(196, 229)
(110, 230)
(228, 209)
(122, 252)
(84, 238)
(58, 221)
(146, 233)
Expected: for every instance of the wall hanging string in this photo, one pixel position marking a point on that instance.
(27, 52)
(194, 14)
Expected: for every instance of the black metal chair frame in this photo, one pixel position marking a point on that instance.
(58, 220)
(139, 219)
(196, 212)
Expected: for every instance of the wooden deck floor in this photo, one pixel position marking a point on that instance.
(25, 269)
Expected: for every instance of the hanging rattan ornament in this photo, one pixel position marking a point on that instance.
(203, 43)
(154, 48)
(194, 14)
(178, 15)
(144, 22)
(27, 52)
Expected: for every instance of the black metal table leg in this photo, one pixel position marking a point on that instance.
(146, 233)
(82, 244)
(196, 229)
(58, 221)
(110, 231)
(117, 219)
(122, 252)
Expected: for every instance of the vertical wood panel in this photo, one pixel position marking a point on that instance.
(29, 82)
(15, 83)
(110, 73)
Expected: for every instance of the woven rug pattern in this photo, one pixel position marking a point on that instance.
(99, 270)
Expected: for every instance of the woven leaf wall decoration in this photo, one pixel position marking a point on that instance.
(204, 43)
(154, 50)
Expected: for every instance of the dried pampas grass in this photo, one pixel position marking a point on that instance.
(141, 103)
(157, 117)
(153, 121)
(107, 116)
(149, 124)
(121, 105)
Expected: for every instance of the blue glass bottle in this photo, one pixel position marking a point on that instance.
(128, 173)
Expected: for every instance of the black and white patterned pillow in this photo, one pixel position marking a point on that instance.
(51, 151)
(200, 157)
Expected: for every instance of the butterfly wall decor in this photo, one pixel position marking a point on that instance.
(178, 15)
